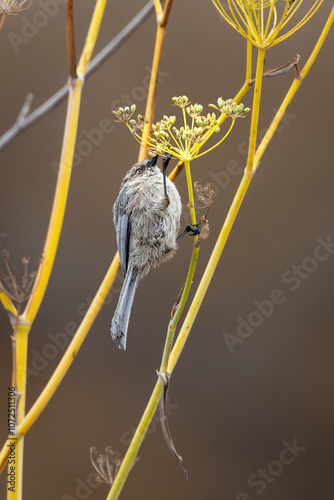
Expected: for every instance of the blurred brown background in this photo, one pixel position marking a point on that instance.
(231, 412)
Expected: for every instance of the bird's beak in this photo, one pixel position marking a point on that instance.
(153, 161)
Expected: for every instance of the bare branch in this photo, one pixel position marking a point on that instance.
(23, 124)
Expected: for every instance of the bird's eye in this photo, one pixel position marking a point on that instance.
(139, 171)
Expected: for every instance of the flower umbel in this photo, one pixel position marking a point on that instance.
(184, 142)
(261, 21)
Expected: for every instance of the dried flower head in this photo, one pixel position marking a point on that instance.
(106, 464)
(18, 286)
(8, 7)
(204, 194)
(261, 21)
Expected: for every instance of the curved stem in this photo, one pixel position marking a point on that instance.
(218, 143)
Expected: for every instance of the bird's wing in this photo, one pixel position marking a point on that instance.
(123, 229)
(123, 237)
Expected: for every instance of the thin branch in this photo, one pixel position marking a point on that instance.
(159, 40)
(70, 40)
(23, 124)
(166, 13)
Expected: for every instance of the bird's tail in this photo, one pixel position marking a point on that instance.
(120, 321)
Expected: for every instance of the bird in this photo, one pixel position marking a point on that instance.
(146, 216)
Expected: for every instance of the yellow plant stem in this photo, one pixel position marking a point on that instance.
(185, 293)
(54, 230)
(45, 267)
(7, 303)
(248, 62)
(20, 348)
(255, 110)
(190, 192)
(68, 357)
(150, 104)
(175, 319)
(59, 203)
(209, 271)
(158, 9)
(293, 89)
(136, 442)
(65, 168)
(91, 37)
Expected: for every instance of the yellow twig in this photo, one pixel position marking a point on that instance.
(52, 239)
(136, 442)
(93, 31)
(21, 332)
(7, 303)
(65, 168)
(292, 91)
(59, 203)
(255, 111)
(68, 357)
(162, 19)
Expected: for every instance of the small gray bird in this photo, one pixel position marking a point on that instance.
(147, 215)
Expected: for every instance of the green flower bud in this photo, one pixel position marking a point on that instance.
(133, 108)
